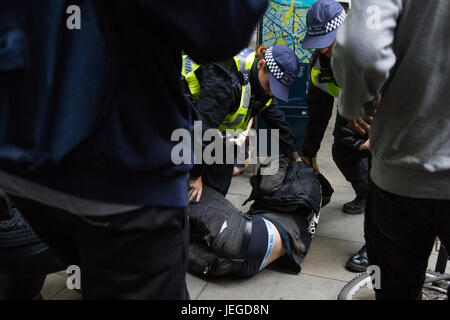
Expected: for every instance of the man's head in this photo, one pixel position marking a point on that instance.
(277, 71)
(322, 22)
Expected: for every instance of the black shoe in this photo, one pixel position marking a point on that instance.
(359, 262)
(354, 207)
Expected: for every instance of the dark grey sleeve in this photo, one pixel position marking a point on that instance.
(361, 67)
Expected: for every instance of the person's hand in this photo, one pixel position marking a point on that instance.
(195, 186)
(312, 162)
(240, 140)
(362, 126)
(365, 146)
(295, 156)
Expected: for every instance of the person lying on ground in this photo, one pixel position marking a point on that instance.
(277, 230)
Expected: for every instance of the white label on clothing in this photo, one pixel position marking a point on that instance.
(270, 242)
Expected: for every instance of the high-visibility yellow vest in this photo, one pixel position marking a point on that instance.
(325, 83)
(188, 72)
(244, 62)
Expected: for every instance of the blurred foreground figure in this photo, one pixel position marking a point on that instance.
(88, 103)
(399, 50)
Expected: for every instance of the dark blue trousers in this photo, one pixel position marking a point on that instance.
(354, 165)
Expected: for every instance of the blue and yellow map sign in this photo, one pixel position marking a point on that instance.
(285, 23)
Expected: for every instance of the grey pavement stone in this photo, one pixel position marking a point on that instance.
(195, 285)
(237, 200)
(328, 168)
(335, 224)
(241, 184)
(54, 284)
(327, 257)
(270, 285)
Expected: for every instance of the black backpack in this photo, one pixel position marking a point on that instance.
(296, 184)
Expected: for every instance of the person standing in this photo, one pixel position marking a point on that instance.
(399, 50)
(86, 115)
(349, 150)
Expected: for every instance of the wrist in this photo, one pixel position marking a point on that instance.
(294, 155)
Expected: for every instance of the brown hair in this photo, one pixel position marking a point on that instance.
(260, 53)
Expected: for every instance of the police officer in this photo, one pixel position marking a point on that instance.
(349, 148)
(230, 93)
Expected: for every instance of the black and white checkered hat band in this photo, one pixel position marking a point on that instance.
(332, 25)
(336, 22)
(272, 65)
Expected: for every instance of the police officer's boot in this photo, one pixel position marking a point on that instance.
(359, 262)
(355, 207)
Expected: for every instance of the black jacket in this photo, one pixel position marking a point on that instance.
(221, 85)
(91, 111)
(320, 109)
(293, 207)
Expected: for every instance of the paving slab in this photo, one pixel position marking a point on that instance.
(327, 258)
(241, 184)
(237, 200)
(335, 224)
(54, 284)
(271, 285)
(195, 285)
(328, 168)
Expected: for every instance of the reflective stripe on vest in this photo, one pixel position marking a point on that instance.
(188, 72)
(329, 87)
(240, 119)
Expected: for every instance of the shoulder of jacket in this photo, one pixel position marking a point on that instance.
(227, 66)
